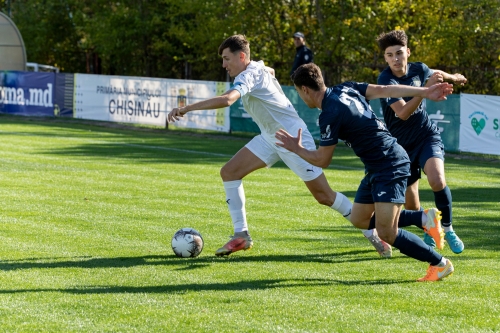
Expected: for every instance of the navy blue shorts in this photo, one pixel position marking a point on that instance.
(431, 147)
(380, 189)
(387, 182)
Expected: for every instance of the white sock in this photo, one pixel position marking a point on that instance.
(235, 199)
(449, 228)
(424, 219)
(442, 263)
(368, 233)
(342, 205)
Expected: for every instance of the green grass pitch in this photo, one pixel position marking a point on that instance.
(88, 211)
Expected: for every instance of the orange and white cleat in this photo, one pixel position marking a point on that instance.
(437, 273)
(240, 241)
(433, 226)
(383, 248)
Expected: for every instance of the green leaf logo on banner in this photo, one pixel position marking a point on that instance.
(478, 125)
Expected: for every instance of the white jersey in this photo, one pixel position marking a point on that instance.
(265, 101)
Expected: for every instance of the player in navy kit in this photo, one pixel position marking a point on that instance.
(346, 115)
(409, 123)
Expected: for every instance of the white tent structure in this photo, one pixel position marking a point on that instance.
(12, 51)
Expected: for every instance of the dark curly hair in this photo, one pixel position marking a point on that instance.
(392, 38)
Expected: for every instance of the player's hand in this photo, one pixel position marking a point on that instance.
(459, 78)
(437, 77)
(175, 114)
(287, 141)
(439, 91)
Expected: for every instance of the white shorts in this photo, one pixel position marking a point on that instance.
(271, 153)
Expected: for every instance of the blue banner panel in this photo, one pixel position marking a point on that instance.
(27, 93)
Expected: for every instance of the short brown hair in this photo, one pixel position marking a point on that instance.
(236, 43)
(392, 38)
(308, 75)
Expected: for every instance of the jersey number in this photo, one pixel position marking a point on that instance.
(356, 104)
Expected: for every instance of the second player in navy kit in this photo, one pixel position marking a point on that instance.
(408, 121)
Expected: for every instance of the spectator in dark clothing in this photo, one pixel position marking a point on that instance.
(304, 54)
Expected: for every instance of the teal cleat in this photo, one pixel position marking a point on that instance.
(429, 241)
(455, 243)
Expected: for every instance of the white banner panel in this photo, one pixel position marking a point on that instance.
(479, 124)
(120, 99)
(183, 92)
(147, 100)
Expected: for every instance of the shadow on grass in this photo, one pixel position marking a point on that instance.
(146, 145)
(180, 151)
(230, 286)
(142, 153)
(172, 260)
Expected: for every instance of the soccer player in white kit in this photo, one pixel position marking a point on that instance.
(265, 101)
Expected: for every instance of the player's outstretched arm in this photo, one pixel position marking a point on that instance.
(404, 109)
(437, 92)
(456, 78)
(222, 101)
(321, 157)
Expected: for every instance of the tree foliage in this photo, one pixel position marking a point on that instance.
(179, 39)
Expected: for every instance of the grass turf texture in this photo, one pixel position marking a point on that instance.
(88, 212)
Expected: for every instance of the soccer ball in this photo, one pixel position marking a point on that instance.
(187, 242)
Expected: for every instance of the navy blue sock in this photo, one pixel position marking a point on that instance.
(412, 246)
(406, 218)
(410, 217)
(372, 223)
(443, 203)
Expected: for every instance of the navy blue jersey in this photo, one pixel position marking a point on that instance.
(347, 115)
(303, 56)
(411, 132)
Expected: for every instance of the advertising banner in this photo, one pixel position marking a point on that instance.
(147, 101)
(446, 116)
(120, 99)
(480, 124)
(183, 92)
(27, 93)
